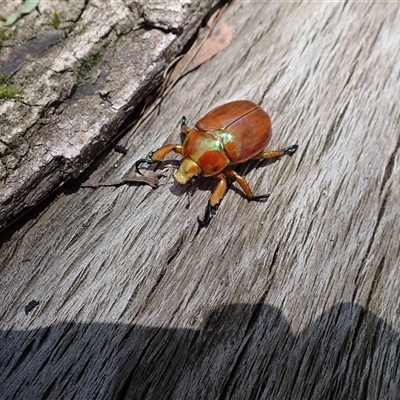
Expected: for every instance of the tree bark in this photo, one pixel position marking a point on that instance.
(81, 80)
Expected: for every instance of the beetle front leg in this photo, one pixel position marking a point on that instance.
(216, 197)
(158, 155)
(245, 186)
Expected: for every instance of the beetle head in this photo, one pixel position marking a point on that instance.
(186, 171)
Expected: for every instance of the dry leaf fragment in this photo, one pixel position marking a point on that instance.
(219, 40)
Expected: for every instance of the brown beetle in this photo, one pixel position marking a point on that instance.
(230, 134)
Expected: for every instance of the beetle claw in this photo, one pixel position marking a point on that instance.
(207, 217)
(142, 161)
(183, 121)
(262, 198)
(290, 150)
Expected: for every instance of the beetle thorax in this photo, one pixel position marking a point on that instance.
(206, 150)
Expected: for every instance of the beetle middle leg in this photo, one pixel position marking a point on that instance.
(216, 197)
(245, 186)
(158, 155)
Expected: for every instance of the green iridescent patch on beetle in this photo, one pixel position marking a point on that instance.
(226, 137)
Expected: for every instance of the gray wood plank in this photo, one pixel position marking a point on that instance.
(297, 298)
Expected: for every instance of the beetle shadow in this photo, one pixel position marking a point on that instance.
(208, 184)
(244, 169)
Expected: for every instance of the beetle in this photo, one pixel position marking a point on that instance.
(230, 134)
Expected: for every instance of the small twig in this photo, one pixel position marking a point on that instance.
(150, 179)
(170, 65)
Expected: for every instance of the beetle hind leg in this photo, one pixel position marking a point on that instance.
(287, 151)
(290, 150)
(245, 186)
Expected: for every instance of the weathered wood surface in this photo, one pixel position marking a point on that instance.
(80, 83)
(294, 299)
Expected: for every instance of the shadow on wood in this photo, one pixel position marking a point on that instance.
(242, 351)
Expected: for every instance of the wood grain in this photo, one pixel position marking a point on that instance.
(297, 298)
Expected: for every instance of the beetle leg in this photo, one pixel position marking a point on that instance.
(158, 155)
(245, 186)
(184, 128)
(216, 197)
(289, 151)
(207, 217)
(141, 161)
